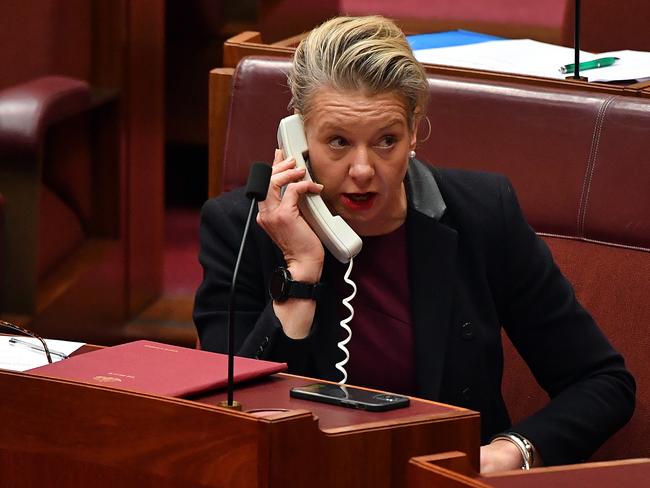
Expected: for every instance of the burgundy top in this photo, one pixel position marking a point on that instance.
(381, 348)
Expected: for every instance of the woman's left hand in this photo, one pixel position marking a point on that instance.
(500, 455)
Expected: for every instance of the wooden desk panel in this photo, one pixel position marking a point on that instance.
(452, 470)
(630, 473)
(74, 434)
(332, 419)
(359, 448)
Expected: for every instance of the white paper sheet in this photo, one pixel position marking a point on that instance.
(17, 357)
(528, 57)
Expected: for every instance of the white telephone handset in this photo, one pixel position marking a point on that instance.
(334, 232)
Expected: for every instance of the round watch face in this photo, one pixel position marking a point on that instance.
(278, 284)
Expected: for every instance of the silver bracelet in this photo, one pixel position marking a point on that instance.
(525, 447)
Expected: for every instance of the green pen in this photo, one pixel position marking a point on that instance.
(596, 63)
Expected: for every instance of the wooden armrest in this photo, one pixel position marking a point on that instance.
(26, 110)
(447, 469)
(250, 43)
(292, 41)
(453, 460)
(247, 36)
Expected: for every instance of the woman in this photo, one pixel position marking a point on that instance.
(447, 260)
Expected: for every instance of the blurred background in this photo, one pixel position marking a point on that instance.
(104, 140)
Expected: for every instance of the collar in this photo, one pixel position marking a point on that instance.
(422, 190)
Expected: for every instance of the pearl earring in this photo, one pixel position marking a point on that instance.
(412, 155)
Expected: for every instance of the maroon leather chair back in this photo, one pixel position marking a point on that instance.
(259, 100)
(579, 162)
(577, 159)
(46, 177)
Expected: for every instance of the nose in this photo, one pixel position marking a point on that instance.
(362, 168)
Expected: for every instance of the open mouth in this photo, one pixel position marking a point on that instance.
(358, 201)
(359, 197)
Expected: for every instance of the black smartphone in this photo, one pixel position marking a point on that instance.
(349, 396)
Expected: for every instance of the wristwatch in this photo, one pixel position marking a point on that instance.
(282, 287)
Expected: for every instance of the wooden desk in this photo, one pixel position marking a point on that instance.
(64, 433)
(452, 470)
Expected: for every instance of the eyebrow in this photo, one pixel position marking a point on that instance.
(338, 127)
(393, 122)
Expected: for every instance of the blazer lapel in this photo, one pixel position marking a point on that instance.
(432, 259)
(432, 250)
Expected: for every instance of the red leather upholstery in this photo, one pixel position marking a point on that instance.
(577, 159)
(579, 163)
(259, 100)
(26, 111)
(46, 177)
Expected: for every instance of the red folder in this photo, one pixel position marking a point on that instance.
(161, 369)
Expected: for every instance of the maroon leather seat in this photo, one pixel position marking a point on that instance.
(46, 178)
(578, 161)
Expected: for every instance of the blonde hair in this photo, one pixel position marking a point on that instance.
(370, 54)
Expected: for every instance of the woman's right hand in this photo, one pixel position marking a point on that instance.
(280, 217)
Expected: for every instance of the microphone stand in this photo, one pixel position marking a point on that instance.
(576, 45)
(256, 189)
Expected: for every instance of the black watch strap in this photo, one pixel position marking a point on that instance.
(282, 287)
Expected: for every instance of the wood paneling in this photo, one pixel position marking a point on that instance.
(101, 437)
(220, 81)
(143, 142)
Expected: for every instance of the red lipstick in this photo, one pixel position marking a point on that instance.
(358, 201)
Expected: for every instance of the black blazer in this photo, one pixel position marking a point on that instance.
(474, 266)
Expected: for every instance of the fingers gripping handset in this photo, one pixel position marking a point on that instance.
(334, 232)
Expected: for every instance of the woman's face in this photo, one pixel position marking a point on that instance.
(358, 148)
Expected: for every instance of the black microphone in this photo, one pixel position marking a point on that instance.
(256, 189)
(258, 181)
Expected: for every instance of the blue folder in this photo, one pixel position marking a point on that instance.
(448, 39)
